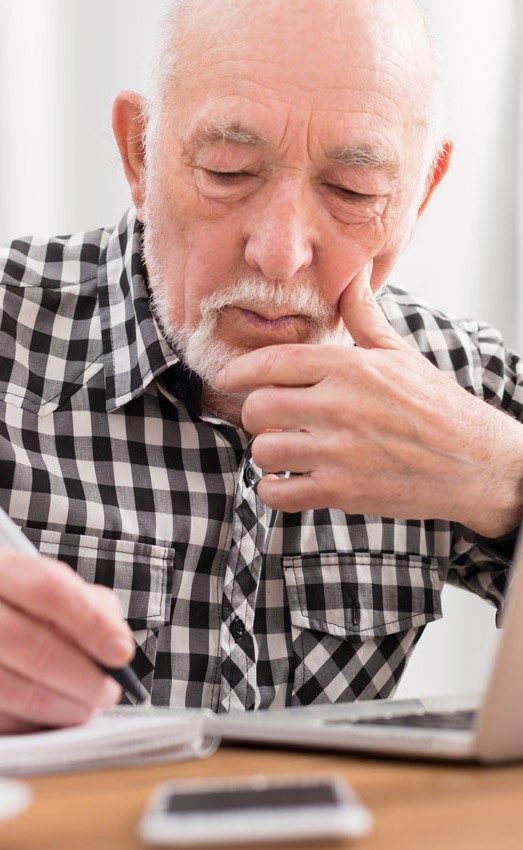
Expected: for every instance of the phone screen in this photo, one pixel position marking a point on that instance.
(223, 800)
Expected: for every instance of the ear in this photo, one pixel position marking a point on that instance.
(439, 169)
(129, 131)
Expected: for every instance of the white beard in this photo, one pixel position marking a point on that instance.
(198, 346)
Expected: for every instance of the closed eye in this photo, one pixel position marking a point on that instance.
(350, 194)
(227, 176)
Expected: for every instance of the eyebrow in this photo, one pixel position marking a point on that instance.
(366, 157)
(226, 132)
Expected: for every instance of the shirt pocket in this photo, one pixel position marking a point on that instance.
(343, 607)
(356, 595)
(140, 574)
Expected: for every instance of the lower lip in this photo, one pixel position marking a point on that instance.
(269, 324)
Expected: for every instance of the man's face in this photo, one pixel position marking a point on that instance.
(290, 157)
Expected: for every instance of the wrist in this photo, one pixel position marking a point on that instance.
(496, 509)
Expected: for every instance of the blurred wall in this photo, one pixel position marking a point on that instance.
(464, 254)
(62, 62)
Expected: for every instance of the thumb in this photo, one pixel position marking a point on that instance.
(363, 316)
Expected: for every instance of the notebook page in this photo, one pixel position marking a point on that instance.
(110, 740)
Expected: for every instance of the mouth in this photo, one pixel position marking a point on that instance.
(271, 320)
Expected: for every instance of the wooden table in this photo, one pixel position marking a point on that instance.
(414, 805)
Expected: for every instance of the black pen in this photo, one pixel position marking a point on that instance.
(127, 678)
(12, 537)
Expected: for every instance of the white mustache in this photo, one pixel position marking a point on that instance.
(292, 299)
(199, 347)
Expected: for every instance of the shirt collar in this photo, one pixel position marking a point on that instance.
(135, 350)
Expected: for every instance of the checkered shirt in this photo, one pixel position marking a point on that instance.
(108, 463)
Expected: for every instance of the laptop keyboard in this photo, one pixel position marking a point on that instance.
(462, 720)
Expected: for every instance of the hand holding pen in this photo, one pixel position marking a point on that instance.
(63, 641)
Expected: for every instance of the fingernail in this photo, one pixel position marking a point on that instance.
(119, 651)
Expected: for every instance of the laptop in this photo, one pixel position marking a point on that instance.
(486, 729)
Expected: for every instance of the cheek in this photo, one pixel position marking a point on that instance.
(214, 251)
(197, 257)
(206, 226)
(394, 238)
(351, 249)
(370, 239)
(373, 236)
(386, 258)
(383, 265)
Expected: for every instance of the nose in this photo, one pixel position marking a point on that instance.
(279, 239)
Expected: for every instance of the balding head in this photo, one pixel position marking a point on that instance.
(394, 29)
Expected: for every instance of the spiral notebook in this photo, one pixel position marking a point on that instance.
(119, 738)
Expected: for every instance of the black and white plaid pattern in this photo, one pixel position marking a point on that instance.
(107, 462)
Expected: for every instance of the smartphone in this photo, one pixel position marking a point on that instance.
(253, 809)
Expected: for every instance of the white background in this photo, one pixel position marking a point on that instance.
(62, 62)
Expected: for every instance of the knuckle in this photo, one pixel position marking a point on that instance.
(36, 702)
(44, 653)
(270, 359)
(300, 359)
(274, 357)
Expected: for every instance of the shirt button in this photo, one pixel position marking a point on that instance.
(237, 628)
(249, 476)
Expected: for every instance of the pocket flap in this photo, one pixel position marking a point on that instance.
(362, 594)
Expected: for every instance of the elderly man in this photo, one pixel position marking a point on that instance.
(220, 410)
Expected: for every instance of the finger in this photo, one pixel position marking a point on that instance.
(290, 365)
(107, 596)
(39, 652)
(279, 408)
(10, 725)
(363, 316)
(290, 495)
(31, 702)
(52, 591)
(292, 451)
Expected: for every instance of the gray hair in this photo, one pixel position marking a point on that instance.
(163, 71)
(436, 98)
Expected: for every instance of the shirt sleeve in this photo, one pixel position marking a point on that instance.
(480, 564)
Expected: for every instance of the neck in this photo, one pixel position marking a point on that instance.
(227, 407)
